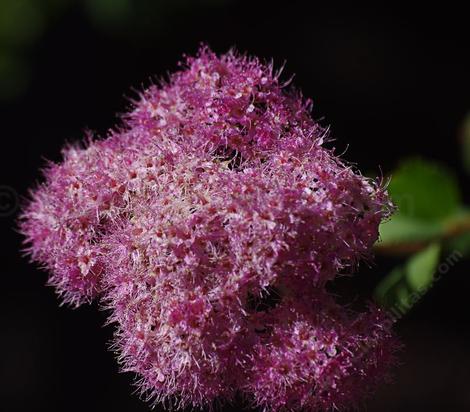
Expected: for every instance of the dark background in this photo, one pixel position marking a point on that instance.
(391, 82)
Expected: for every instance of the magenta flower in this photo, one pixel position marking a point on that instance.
(208, 224)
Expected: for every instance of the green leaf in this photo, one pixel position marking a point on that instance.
(420, 268)
(404, 229)
(459, 243)
(405, 285)
(427, 198)
(424, 190)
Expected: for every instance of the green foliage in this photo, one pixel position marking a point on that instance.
(402, 229)
(22, 23)
(424, 190)
(459, 243)
(430, 220)
(406, 284)
(428, 199)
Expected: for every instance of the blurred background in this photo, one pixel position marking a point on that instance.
(392, 82)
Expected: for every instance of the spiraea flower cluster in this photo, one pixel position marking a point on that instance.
(208, 224)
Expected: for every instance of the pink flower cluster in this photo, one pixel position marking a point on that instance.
(208, 224)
